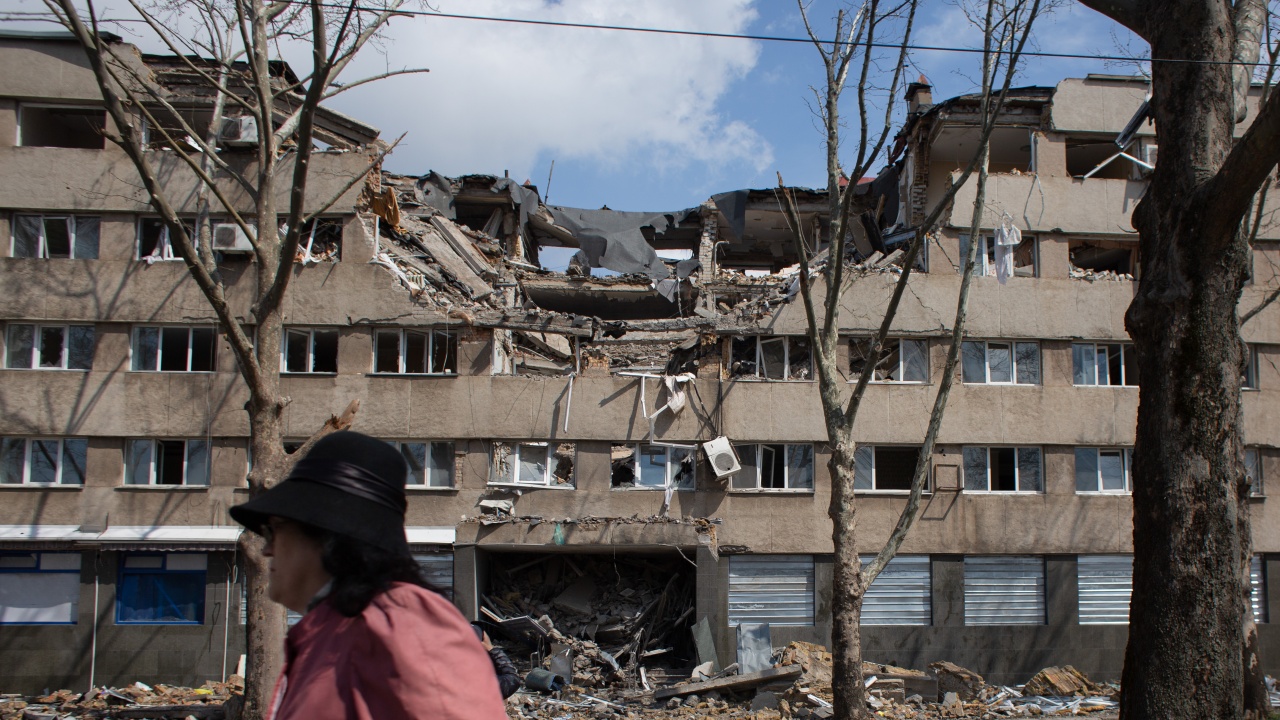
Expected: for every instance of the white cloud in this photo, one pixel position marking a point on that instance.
(501, 96)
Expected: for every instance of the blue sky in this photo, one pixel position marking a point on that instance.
(642, 121)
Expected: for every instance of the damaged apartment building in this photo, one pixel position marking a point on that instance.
(625, 458)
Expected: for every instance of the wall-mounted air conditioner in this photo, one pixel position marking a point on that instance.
(239, 131)
(229, 238)
(721, 456)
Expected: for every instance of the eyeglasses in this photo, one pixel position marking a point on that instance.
(269, 529)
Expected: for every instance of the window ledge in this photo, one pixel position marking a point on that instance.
(772, 380)
(527, 486)
(308, 374)
(1003, 384)
(395, 375)
(173, 372)
(1111, 387)
(44, 369)
(1105, 493)
(162, 488)
(920, 383)
(651, 489)
(770, 491)
(429, 489)
(1005, 492)
(40, 486)
(890, 493)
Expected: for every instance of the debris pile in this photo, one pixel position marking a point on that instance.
(212, 701)
(1092, 275)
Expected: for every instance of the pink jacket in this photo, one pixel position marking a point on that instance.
(409, 656)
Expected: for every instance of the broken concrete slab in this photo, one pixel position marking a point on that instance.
(1058, 681)
(952, 678)
(736, 682)
(577, 597)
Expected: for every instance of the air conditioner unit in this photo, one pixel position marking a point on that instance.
(229, 238)
(239, 131)
(721, 456)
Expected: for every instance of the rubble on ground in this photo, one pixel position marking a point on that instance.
(212, 701)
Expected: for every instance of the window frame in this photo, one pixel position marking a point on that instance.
(427, 469)
(429, 351)
(1126, 468)
(548, 453)
(1249, 378)
(1253, 471)
(153, 455)
(136, 354)
(37, 344)
(38, 569)
(901, 370)
(311, 350)
(163, 251)
(1125, 347)
(162, 571)
(1013, 362)
(42, 244)
(61, 460)
(758, 467)
(22, 106)
(873, 489)
(637, 469)
(986, 263)
(787, 373)
(1017, 469)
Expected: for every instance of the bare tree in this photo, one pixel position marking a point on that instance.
(228, 51)
(1006, 26)
(1191, 529)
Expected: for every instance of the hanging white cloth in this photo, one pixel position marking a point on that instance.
(1007, 237)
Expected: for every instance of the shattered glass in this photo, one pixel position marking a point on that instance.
(773, 358)
(800, 359)
(20, 345)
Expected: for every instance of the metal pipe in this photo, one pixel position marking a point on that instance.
(93, 646)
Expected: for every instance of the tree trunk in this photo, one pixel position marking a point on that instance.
(846, 610)
(1190, 529)
(264, 643)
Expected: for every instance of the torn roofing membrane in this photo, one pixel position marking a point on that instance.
(615, 240)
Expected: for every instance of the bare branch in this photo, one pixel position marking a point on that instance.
(339, 89)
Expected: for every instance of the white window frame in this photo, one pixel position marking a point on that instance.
(786, 341)
(429, 474)
(1013, 362)
(1018, 450)
(153, 454)
(42, 249)
(1125, 347)
(1126, 467)
(669, 461)
(921, 346)
(430, 336)
(311, 350)
(985, 265)
(164, 246)
(61, 461)
(136, 354)
(1253, 471)
(760, 450)
(37, 342)
(1249, 378)
(872, 448)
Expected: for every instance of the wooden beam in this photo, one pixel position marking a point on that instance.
(733, 682)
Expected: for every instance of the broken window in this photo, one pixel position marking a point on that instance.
(1003, 469)
(153, 239)
(56, 236)
(542, 464)
(415, 352)
(1026, 256)
(1103, 470)
(161, 589)
(885, 467)
(1103, 259)
(320, 240)
(50, 347)
(1253, 470)
(1004, 590)
(309, 351)
(654, 466)
(64, 127)
(774, 467)
(1249, 376)
(430, 463)
(39, 588)
(1103, 364)
(166, 122)
(167, 462)
(174, 349)
(781, 357)
(996, 363)
(905, 361)
(43, 461)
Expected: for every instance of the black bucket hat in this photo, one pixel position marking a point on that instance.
(348, 483)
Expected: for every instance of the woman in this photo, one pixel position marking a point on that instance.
(375, 643)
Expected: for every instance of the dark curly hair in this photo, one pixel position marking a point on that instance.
(361, 571)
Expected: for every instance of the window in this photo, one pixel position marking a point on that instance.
(1003, 469)
(1258, 589)
(902, 594)
(1025, 257)
(153, 239)
(1001, 363)
(1104, 364)
(430, 463)
(161, 589)
(1253, 470)
(782, 357)
(884, 467)
(174, 349)
(39, 588)
(1103, 470)
(539, 464)
(321, 240)
(1249, 378)
(43, 461)
(653, 466)
(167, 462)
(905, 361)
(413, 352)
(1103, 259)
(774, 467)
(64, 127)
(50, 347)
(1105, 583)
(55, 236)
(1004, 590)
(309, 351)
(773, 589)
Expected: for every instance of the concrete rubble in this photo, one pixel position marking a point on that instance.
(212, 701)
